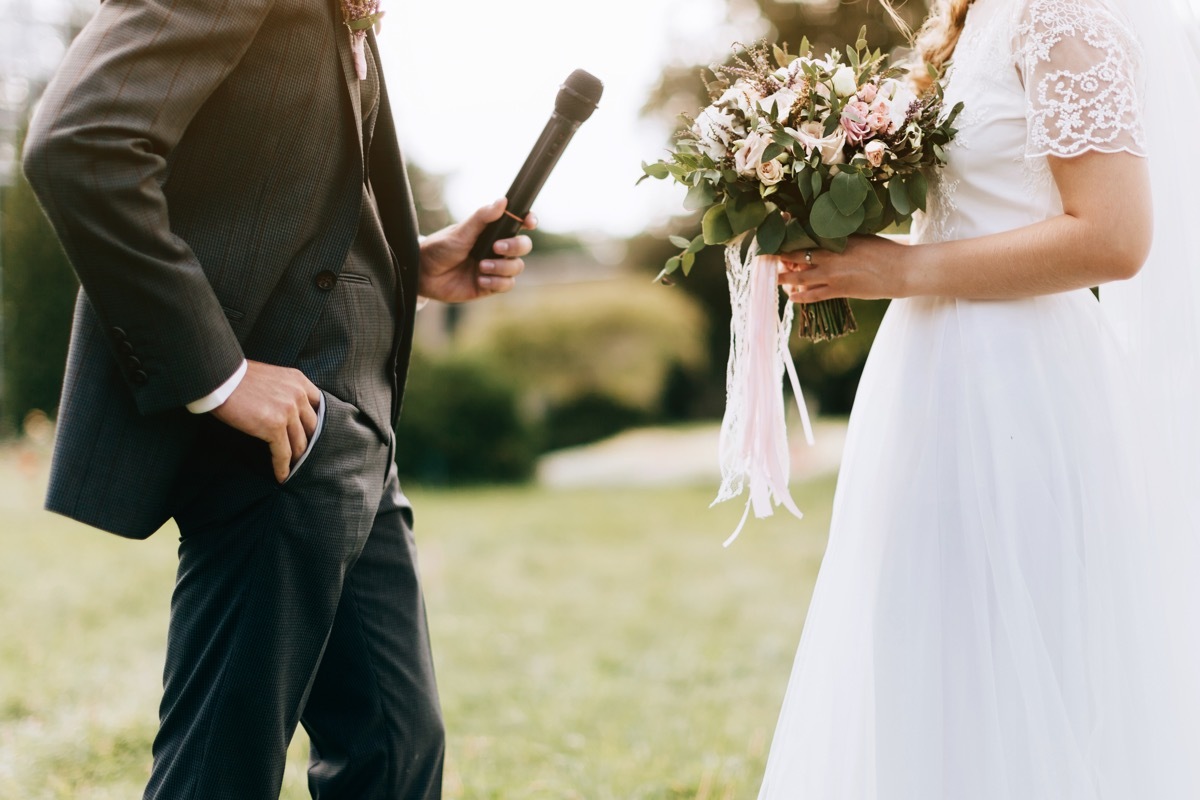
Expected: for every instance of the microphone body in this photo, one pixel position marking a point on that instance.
(576, 102)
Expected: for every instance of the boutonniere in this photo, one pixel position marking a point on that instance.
(360, 16)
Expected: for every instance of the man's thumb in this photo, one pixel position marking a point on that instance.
(488, 214)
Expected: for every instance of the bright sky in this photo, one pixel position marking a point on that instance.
(473, 83)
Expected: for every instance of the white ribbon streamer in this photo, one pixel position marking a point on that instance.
(754, 443)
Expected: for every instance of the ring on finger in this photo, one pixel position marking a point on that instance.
(808, 257)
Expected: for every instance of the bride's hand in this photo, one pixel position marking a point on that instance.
(870, 268)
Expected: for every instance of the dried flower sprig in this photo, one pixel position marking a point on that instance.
(360, 16)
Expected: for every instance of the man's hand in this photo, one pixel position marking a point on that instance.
(449, 274)
(279, 406)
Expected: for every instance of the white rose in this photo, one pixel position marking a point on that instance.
(875, 151)
(844, 82)
(714, 129)
(770, 173)
(740, 97)
(783, 100)
(832, 147)
(748, 159)
(900, 98)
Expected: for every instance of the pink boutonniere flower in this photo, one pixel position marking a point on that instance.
(360, 16)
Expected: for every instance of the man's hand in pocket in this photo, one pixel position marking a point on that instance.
(278, 405)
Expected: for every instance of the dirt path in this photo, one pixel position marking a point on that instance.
(676, 456)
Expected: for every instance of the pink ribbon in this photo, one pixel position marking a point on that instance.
(754, 451)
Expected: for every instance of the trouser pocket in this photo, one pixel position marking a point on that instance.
(313, 441)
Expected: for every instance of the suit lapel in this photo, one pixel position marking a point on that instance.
(349, 75)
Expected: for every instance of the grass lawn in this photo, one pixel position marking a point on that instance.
(590, 644)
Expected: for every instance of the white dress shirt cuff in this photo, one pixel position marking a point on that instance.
(422, 302)
(221, 394)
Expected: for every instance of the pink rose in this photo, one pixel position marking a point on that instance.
(867, 93)
(880, 117)
(855, 120)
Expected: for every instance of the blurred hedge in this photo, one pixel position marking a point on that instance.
(594, 359)
(461, 424)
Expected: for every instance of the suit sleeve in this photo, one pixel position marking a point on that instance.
(96, 158)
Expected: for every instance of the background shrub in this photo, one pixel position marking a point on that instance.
(593, 359)
(461, 424)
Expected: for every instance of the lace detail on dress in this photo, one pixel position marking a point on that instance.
(938, 223)
(1082, 71)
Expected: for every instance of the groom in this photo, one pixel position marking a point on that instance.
(226, 181)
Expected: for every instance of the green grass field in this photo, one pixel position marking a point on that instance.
(590, 644)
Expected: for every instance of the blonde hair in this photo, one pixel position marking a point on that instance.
(938, 37)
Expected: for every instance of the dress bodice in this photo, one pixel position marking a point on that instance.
(1037, 78)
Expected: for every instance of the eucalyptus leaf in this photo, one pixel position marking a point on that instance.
(849, 190)
(796, 238)
(771, 234)
(898, 194)
(687, 260)
(830, 223)
(804, 183)
(746, 213)
(680, 242)
(697, 244)
(715, 225)
(657, 170)
(918, 189)
(836, 245)
(699, 196)
(672, 265)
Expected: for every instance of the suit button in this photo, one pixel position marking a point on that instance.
(126, 348)
(325, 281)
(140, 378)
(119, 334)
(133, 362)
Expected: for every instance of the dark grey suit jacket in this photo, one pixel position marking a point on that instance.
(202, 164)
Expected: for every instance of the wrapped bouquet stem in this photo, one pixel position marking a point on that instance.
(794, 153)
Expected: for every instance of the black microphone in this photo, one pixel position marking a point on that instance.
(577, 99)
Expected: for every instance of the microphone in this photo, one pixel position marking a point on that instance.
(577, 99)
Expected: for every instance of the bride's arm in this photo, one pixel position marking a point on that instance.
(1103, 235)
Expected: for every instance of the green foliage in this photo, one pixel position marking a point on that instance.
(461, 424)
(591, 359)
(39, 295)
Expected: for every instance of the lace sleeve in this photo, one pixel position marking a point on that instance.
(1081, 66)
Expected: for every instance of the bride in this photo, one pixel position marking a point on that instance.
(1005, 610)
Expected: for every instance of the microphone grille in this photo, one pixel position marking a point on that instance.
(579, 96)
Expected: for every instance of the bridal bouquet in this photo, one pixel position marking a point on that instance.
(801, 152)
(795, 152)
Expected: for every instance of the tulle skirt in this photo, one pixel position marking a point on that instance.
(987, 624)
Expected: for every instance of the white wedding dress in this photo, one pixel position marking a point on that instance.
(985, 625)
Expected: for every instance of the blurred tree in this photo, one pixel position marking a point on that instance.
(39, 289)
(829, 371)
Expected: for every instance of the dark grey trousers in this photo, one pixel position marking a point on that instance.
(297, 603)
